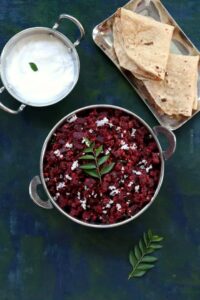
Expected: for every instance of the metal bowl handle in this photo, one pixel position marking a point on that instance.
(8, 110)
(76, 22)
(171, 140)
(34, 194)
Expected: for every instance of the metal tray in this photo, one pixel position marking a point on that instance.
(181, 44)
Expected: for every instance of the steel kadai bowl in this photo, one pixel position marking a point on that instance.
(40, 66)
(163, 154)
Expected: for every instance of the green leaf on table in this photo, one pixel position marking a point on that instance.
(157, 238)
(136, 273)
(145, 239)
(141, 246)
(145, 267)
(33, 66)
(150, 235)
(107, 168)
(132, 258)
(140, 259)
(149, 259)
(150, 250)
(137, 252)
(155, 246)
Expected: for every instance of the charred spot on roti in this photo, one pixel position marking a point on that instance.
(149, 43)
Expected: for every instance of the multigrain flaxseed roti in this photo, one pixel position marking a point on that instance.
(177, 93)
(124, 61)
(145, 42)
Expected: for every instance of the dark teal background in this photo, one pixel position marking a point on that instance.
(45, 256)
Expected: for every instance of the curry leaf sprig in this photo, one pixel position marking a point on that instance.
(97, 168)
(140, 259)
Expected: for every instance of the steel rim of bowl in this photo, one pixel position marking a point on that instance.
(99, 106)
(56, 33)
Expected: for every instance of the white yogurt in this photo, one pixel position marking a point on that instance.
(56, 69)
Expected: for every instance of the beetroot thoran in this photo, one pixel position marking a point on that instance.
(126, 189)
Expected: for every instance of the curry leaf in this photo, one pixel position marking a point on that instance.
(132, 258)
(98, 151)
(88, 166)
(136, 273)
(150, 250)
(145, 266)
(87, 142)
(92, 173)
(86, 157)
(155, 246)
(33, 66)
(92, 145)
(150, 234)
(141, 246)
(145, 239)
(140, 259)
(107, 168)
(103, 159)
(149, 259)
(157, 238)
(137, 252)
(93, 169)
(88, 150)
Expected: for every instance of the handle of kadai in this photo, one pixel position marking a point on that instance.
(171, 140)
(34, 194)
(76, 22)
(11, 111)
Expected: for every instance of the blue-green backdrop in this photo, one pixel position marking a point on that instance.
(45, 256)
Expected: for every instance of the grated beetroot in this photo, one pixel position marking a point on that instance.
(126, 189)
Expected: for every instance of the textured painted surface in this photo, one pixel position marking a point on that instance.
(45, 256)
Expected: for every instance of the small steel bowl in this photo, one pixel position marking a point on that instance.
(30, 32)
(164, 155)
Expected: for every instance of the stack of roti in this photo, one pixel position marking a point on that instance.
(177, 93)
(142, 46)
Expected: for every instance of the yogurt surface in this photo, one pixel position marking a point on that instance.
(55, 63)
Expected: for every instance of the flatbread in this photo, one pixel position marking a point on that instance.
(195, 104)
(177, 94)
(124, 61)
(146, 43)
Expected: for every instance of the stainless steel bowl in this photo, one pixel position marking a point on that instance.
(39, 180)
(29, 33)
